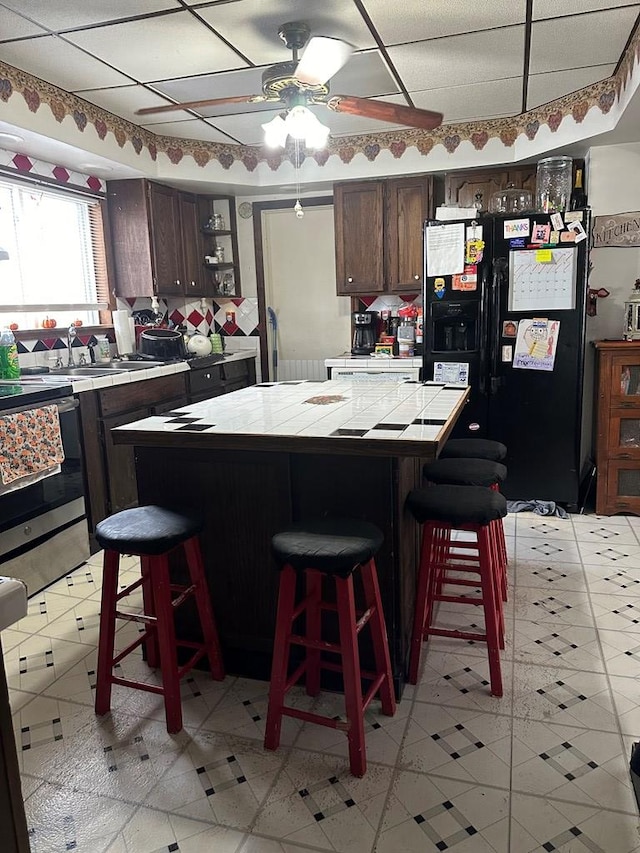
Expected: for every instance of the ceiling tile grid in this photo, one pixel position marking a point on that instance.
(459, 57)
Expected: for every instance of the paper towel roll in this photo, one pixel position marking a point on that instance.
(122, 329)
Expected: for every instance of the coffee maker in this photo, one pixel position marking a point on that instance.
(365, 332)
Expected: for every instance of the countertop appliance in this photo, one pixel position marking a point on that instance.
(43, 526)
(492, 327)
(365, 332)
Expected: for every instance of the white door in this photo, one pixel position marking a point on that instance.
(300, 288)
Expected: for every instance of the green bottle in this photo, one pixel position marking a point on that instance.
(9, 364)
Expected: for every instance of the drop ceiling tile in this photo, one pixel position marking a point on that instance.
(125, 100)
(343, 124)
(554, 84)
(553, 9)
(193, 129)
(474, 101)
(80, 13)
(245, 127)
(15, 26)
(581, 40)
(54, 60)
(459, 60)
(409, 21)
(252, 25)
(157, 48)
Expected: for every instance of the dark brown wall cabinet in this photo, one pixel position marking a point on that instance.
(159, 242)
(378, 227)
(618, 427)
(474, 189)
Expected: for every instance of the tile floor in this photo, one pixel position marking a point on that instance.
(545, 768)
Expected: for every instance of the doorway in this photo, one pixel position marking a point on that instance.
(305, 322)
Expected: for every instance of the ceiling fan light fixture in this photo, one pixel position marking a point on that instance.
(301, 124)
(275, 132)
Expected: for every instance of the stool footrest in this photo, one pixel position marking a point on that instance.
(136, 617)
(321, 645)
(459, 599)
(138, 685)
(459, 635)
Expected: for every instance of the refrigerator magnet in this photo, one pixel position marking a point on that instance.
(467, 280)
(516, 228)
(573, 216)
(509, 329)
(578, 230)
(517, 243)
(554, 237)
(507, 353)
(568, 237)
(540, 233)
(439, 287)
(557, 222)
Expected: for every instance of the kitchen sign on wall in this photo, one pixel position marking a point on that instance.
(620, 229)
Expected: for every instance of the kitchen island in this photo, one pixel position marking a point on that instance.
(260, 458)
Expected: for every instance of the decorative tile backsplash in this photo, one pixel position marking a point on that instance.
(388, 302)
(235, 316)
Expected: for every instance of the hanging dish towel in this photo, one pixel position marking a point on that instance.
(30, 443)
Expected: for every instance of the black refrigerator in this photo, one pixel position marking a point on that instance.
(512, 325)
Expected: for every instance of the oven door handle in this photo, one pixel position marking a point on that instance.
(67, 405)
(64, 404)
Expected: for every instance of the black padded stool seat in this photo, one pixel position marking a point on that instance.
(465, 472)
(335, 546)
(146, 530)
(456, 505)
(474, 448)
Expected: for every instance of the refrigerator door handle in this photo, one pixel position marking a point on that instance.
(499, 270)
(483, 330)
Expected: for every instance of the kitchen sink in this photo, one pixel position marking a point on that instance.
(79, 371)
(125, 365)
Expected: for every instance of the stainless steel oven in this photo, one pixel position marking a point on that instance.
(43, 526)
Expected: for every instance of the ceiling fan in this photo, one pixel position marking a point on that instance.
(305, 81)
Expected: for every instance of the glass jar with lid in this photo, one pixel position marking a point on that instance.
(511, 200)
(553, 184)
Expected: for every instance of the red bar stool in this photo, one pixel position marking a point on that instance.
(329, 548)
(152, 533)
(475, 472)
(474, 448)
(441, 510)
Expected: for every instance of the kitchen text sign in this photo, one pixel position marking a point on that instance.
(620, 229)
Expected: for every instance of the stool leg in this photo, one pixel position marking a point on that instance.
(351, 675)
(420, 610)
(107, 631)
(379, 636)
(280, 662)
(313, 616)
(167, 643)
(151, 645)
(491, 604)
(205, 610)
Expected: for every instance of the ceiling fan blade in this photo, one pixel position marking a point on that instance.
(385, 111)
(210, 102)
(322, 58)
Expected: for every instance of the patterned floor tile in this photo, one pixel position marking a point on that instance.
(558, 608)
(458, 744)
(549, 576)
(61, 818)
(563, 696)
(544, 527)
(463, 682)
(617, 555)
(218, 778)
(36, 663)
(548, 825)
(79, 624)
(543, 548)
(151, 831)
(611, 580)
(621, 650)
(9, 639)
(568, 763)
(615, 612)
(257, 844)
(442, 814)
(43, 608)
(571, 646)
(626, 695)
(79, 584)
(316, 801)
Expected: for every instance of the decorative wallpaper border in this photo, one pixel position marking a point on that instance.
(37, 93)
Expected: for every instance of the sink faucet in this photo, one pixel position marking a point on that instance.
(70, 336)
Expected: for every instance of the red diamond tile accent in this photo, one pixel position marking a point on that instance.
(208, 317)
(231, 328)
(61, 174)
(22, 162)
(407, 298)
(195, 318)
(238, 301)
(176, 317)
(368, 300)
(94, 183)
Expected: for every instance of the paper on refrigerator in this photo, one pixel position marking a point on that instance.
(536, 344)
(445, 249)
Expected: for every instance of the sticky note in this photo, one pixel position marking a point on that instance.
(544, 256)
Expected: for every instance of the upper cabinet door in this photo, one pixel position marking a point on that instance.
(359, 213)
(473, 189)
(194, 284)
(408, 205)
(164, 223)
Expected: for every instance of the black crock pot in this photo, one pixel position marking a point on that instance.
(162, 344)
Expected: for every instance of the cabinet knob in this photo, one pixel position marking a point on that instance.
(193, 284)
(416, 277)
(350, 279)
(177, 282)
(207, 376)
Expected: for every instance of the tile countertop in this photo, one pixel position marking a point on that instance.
(408, 419)
(122, 377)
(363, 361)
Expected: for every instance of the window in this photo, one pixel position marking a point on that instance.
(56, 261)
